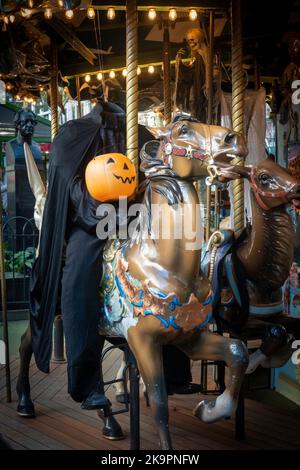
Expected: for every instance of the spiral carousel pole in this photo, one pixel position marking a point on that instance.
(132, 82)
(54, 90)
(167, 75)
(210, 66)
(238, 90)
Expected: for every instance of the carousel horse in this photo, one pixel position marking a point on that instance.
(256, 266)
(152, 292)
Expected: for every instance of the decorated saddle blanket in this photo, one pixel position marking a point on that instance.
(123, 297)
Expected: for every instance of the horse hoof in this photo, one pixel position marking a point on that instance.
(211, 411)
(26, 411)
(122, 398)
(95, 401)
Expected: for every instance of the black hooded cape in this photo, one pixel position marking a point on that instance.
(77, 142)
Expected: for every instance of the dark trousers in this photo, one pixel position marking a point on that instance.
(80, 305)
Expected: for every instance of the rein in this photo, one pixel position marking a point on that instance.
(259, 192)
(189, 152)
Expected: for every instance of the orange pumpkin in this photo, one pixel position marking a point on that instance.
(110, 176)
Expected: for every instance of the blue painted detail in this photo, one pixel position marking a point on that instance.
(106, 276)
(208, 300)
(122, 293)
(141, 293)
(231, 280)
(207, 320)
(266, 310)
(120, 302)
(172, 306)
(175, 302)
(173, 323)
(158, 292)
(137, 304)
(164, 322)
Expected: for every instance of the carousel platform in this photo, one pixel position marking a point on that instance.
(60, 424)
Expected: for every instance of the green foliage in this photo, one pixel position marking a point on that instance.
(20, 262)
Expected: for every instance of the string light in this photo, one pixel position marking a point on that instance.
(124, 72)
(112, 74)
(8, 86)
(17, 97)
(87, 78)
(90, 13)
(12, 18)
(111, 13)
(99, 76)
(41, 88)
(30, 3)
(139, 70)
(193, 15)
(48, 13)
(69, 14)
(6, 20)
(152, 14)
(151, 69)
(172, 14)
(61, 3)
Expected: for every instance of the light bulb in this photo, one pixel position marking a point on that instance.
(124, 72)
(41, 88)
(6, 20)
(172, 14)
(87, 78)
(99, 76)
(112, 74)
(139, 71)
(193, 15)
(26, 13)
(90, 13)
(61, 3)
(151, 69)
(69, 14)
(30, 3)
(152, 14)
(17, 97)
(12, 18)
(111, 13)
(48, 13)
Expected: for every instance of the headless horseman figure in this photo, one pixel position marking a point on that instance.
(70, 219)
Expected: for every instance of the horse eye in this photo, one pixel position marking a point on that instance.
(110, 160)
(184, 130)
(229, 138)
(263, 178)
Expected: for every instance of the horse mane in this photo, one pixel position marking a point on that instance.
(159, 178)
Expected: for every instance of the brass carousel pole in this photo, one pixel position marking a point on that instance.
(210, 66)
(4, 309)
(238, 89)
(58, 334)
(132, 82)
(132, 152)
(167, 75)
(54, 90)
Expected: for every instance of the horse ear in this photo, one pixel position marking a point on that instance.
(158, 132)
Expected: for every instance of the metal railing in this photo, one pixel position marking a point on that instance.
(20, 242)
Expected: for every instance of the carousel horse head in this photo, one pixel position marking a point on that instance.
(272, 185)
(188, 147)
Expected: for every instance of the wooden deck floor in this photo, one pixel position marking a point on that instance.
(61, 424)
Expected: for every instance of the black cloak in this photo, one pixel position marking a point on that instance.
(77, 142)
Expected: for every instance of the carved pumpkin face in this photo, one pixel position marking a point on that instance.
(110, 176)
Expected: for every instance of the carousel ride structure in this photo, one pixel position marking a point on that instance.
(153, 292)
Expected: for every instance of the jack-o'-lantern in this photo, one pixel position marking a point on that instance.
(110, 176)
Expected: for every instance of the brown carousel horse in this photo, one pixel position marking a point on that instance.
(262, 256)
(152, 291)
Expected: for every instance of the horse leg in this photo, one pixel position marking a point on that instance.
(25, 405)
(211, 346)
(121, 395)
(148, 353)
(274, 342)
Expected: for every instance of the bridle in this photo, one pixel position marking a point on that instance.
(258, 192)
(170, 149)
